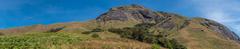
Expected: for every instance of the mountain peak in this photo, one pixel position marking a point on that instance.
(128, 7)
(130, 12)
(134, 14)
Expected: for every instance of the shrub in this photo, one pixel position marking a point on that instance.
(155, 46)
(95, 35)
(145, 25)
(86, 32)
(94, 30)
(170, 43)
(150, 39)
(176, 45)
(97, 30)
(56, 29)
(116, 30)
(186, 23)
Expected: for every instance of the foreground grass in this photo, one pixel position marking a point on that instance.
(40, 40)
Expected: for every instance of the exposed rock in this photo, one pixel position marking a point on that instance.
(220, 29)
(139, 14)
(126, 13)
(166, 24)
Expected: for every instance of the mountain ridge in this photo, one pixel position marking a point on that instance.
(139, 13)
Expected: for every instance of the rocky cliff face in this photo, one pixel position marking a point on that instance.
(139, 14)
(125, 13)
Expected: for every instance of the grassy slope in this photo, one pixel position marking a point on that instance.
(69, 38)
(68, 41)
(196, 36)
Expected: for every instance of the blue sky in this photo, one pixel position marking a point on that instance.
(14, 13)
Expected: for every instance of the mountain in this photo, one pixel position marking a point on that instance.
(132, 27)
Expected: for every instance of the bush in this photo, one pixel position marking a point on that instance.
(86, 32)
(56, 29)
(97, 30)
(176, 45)
(95, 35)
(145, 25)
(155, 46)
(94, 30)
(170, 43)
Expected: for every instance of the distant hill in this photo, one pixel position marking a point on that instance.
(126, 27)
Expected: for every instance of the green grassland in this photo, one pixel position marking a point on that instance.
(63, 40)
(40, 40)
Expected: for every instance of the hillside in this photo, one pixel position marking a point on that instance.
(124, 27)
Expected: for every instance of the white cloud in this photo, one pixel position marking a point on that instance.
(223, 11)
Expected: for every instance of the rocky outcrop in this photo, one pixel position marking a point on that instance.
(125, 13)
(223, 30)
(140, 14)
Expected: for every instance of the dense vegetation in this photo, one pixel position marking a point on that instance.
(38, 41)
(93, 31)
(56, 29)
(141, 33)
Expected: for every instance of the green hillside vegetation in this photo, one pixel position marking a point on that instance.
(141, 33)
(40, 40)
(95, 39)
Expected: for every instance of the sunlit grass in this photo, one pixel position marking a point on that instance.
(39, 40)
